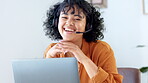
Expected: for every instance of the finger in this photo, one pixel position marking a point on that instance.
(58, 47)
(54, 51)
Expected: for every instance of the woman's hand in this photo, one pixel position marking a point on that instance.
(66, 46)
(90, 67)
(55, 50)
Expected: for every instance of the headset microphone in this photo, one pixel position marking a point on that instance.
(84, 31)
(88, 29)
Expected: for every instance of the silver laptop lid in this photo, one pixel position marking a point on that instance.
(52, 70)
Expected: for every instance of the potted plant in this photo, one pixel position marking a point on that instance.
(144, 69)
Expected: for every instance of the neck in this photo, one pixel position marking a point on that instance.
(78, 43)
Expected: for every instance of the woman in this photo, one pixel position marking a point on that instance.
(78, 27)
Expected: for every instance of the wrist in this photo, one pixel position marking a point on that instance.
(85, 60)
(48, 55)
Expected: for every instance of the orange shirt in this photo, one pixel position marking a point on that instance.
(102, 55)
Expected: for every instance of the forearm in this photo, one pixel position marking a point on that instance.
(90, 67)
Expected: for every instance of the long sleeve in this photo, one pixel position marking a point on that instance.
(47, 49)
(103, 56)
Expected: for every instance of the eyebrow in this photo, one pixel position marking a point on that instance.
(79, 16)
(74, 15)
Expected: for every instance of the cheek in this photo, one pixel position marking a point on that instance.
(59, 28)
(60, 24)
(82, 26)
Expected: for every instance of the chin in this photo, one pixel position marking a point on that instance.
(68, 39)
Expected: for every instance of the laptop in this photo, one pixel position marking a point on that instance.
(52, 70)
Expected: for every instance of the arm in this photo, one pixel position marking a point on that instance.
(101, 68)
(103, 57)
(91, 67)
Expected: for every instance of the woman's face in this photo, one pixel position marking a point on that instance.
(70, 23)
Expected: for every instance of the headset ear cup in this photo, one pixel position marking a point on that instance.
(87, 27)
(55, 22)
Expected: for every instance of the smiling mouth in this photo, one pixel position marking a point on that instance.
(69, 30)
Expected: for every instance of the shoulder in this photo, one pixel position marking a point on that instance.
(101, 51)
(101, 48)
(100, 45)
(50, 46)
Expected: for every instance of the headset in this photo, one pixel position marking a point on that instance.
(88, 26)
(56, 23)
(85, 31)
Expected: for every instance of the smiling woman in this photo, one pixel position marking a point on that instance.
(52, 22)
(70, 22)
(79, 28)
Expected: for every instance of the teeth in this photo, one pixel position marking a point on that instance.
(69, 30)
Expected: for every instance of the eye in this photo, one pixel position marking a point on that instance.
(77, 19)
(64, 17)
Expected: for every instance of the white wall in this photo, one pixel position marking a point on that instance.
(21, 32)
(22, 36)
(126, 28)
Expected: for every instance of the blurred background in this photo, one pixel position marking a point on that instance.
(22, 35)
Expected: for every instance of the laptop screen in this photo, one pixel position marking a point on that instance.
(52, 70)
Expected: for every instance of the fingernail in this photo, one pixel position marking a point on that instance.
(65, 52)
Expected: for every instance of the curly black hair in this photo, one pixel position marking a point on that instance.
(93, 20)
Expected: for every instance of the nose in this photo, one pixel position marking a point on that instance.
(70, 22)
